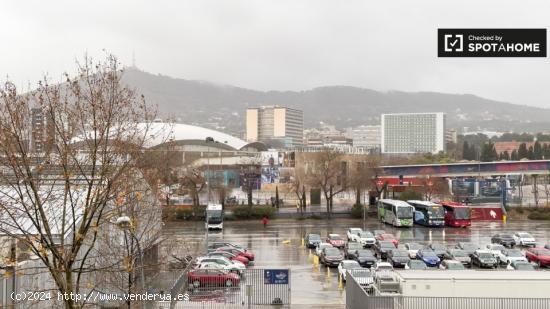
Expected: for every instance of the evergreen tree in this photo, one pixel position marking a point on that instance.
(514, 155)
(530, 153)
(537, 151)
(505, 155)
(488, 152)
(522, 151)
(466, 151)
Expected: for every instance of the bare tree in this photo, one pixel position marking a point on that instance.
(363, 171)
(299, 181)
(330, 174)
(66, 151)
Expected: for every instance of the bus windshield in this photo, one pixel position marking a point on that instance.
(436, 212)
(214, 216)
(461, 213)
(404, 212)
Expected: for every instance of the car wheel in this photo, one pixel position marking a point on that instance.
(196, 283)
(228, 283)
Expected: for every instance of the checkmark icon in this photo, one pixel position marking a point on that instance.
(453, 43)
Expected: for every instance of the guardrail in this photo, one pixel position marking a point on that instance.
(358, 298)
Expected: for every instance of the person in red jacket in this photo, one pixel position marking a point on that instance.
(265, 221)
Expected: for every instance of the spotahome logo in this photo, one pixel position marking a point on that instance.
(491, 42)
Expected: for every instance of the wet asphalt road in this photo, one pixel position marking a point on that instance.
(316, 285)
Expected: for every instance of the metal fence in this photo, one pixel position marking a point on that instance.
(253, 288)
(358, 298)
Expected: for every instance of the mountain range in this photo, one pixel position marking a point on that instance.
(223, 107)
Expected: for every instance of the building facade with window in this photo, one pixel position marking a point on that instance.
(270, 124)
(413, 133)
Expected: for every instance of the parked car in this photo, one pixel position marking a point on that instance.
(331, 256)
(381, 248)
(467, 247)
(365, 258)
(320, 248)
(312, 240)
(412, 248)
(428, 257)
(353, 233)
(496, 250)
(385, 278)
(539, 256)
(364, 277)
(508, 256)
(367, 239)
(524, 239)
(381, 266)
(234, 266)
(388, 237)
(504, 239)
(440, 250)
(416, 265)
(346, 265)
(212, 277)
(237, 251)
(336, 240)
(231, 256)
(520, 265)
(350, 250)
(461, 256)
(398, 258)
(451, 265)
(484, 259)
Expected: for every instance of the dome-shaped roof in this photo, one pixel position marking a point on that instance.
(161, 132)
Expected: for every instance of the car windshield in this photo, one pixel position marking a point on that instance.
(332, 251)
(506, 236)
(525, 235)
(386, 244)
(485, 255)
(458, 253)
(404, 212)
(400, 253)
(428, 253)
(364, 253)
(358, 273)
(366, 235)
(324, 245)
(544, 252)
(335, 237)
(351, 264)
(497, 247)
(438, 247)
(524, 266)
(314, 237)
(455, 266)
(514, 253)
(354, 245)
(436, 212)
(355, 231)
(414, 246)
(462, 213)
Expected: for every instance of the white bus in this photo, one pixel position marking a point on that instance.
(395, 212)
(214, 216)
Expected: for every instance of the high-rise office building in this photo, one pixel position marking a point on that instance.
(275, 124)
(366, 137)
(413, 133)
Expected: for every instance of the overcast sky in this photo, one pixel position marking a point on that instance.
(278, 45)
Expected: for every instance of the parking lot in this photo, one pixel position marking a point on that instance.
(280, 245)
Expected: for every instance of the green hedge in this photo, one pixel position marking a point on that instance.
(539, 215)
(254, 212)
(357, 211)
(187, 214)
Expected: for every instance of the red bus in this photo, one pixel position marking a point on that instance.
(456, 214)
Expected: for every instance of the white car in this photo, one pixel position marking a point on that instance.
(496, 249)
(382, 266)
(367, 239)
(346, 265)
(320, 248)
(353, 233)
(524, 239)
(234, 266)
(412, 248)
(508, 256)
(363, 276)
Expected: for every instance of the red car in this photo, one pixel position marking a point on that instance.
(212, 277)
(388, 237)
(336, 240)
(538, 255)
(238, 251)
(231, 256)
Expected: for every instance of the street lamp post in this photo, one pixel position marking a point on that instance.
(125, 224)
(208, 140)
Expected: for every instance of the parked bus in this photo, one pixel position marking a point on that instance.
(457, 214)
(214, 216)
(395, 212)
(428, 213)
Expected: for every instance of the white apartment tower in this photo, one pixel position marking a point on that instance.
(413, 133)
(274, 123)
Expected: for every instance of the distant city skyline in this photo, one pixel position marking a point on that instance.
(278, 45)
